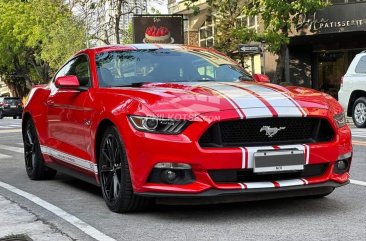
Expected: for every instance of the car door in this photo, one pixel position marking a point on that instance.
(67, 126)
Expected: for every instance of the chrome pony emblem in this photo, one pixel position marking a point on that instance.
(271, 131)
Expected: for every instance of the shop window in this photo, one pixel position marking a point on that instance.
(207, 32)
(361, 66)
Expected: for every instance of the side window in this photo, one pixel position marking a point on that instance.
(79, 67)
(361, 65)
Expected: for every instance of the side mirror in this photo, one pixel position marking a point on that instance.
(67, 82)
(262, 78)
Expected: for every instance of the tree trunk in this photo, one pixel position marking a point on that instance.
(117, 21)
(280, 69)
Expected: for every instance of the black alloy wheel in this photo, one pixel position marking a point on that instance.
(34, 162)
(114, 175)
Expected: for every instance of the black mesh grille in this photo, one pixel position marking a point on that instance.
(252, 132)
(228, 176)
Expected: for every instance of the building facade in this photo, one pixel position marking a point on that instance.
(323, 45)
(200, 31)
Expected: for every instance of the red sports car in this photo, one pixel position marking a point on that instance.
(178, 124)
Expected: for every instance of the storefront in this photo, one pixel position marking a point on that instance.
(324, 44)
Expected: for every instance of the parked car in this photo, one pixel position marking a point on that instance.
(352, 94)
(11, 106)
(177, 124)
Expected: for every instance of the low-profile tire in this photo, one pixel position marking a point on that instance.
(114, 175)
(359, 112)
(34, 163)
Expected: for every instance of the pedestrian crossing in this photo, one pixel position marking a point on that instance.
(358, 132)
(6, 124)
(6, 151)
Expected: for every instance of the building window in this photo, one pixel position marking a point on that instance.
(250, 22)
(207, 33)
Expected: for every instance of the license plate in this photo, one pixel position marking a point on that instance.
(13, 106)
(278, 161)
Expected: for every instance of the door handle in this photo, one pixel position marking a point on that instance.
(50, 102)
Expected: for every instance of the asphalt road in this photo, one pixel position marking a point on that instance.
(340, 216)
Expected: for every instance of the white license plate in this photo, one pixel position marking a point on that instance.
(278, 161)
(13, 106)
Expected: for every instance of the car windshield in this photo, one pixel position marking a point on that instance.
(121, 68)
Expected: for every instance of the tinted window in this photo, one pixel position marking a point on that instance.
(164, 65)
(361, 66)
(79, 67)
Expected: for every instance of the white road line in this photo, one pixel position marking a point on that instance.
(12, 148)
(3, 156)
(86, 228)
(20, 143)
(358, 182)
(10, 131)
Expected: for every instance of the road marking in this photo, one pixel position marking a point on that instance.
(20, 143)
(3, 156)
(358, 182)
(86, 228)
(10, 131)
(11, 148)
(359, 143)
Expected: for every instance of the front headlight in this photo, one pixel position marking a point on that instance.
(340, 119)
(158, 125)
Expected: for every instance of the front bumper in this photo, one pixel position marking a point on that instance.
(145, 150)
(214, 196)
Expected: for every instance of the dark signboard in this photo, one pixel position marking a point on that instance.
(249, 48)
(333, 19)
(158, 29)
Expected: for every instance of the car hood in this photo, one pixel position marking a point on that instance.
(249, 99)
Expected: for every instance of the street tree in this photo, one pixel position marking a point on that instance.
(104, 18)
(277, 17)
(37, 36)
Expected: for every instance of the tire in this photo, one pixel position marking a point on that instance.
(34, 163)
(15, 117)
(114, 175)
(359, 112)
(1, 114)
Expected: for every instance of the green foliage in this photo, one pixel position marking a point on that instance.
(37, 36)
(278, 17)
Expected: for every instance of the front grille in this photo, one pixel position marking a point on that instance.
(248, 132)
(247, 175)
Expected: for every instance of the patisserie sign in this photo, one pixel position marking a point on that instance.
(158, 29)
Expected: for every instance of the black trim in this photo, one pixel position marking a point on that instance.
(214, 196)
(68, 171)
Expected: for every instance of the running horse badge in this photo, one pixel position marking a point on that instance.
(271, 131)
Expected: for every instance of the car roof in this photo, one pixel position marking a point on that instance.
(127, 47)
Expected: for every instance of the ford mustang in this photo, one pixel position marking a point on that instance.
(176, 124)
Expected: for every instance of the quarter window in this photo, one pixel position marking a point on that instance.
(361, 66)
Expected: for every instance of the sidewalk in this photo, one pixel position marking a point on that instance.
(15, 220)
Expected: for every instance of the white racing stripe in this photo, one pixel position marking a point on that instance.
(79, 162)
(238, 98)
(253, 185)
(284, 105)
(358, 182)
(293, 182)
(81, 225)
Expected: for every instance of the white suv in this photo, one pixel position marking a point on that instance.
(352, 94)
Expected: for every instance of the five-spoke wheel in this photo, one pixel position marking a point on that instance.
(359, 112)
(34, 163)
(114, 175)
